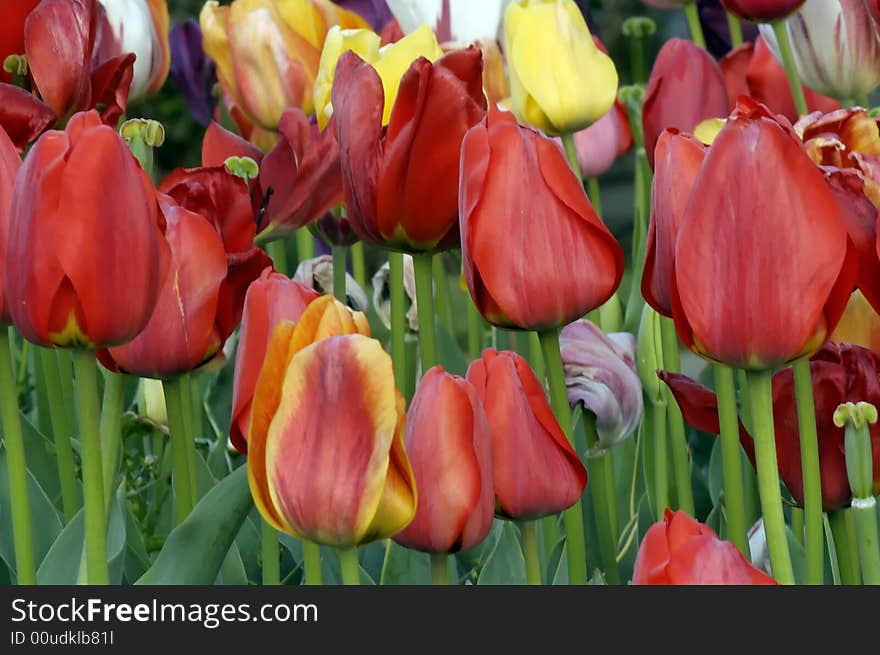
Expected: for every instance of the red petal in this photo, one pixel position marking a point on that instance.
(111, 82)
(243, 268)
(10, 163)
(23, 116)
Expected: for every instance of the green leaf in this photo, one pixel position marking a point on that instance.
(137, 560)
(505, 565)
(559, 561)
(449, 352)
(232, 570)
(405, 566)
(41, 459)
(46, 525)
(195, 549)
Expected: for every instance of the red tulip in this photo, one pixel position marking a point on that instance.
(599, 145)
(73, 65)
(760, 278)
(450, 448)
(536, 471)
(840, 373)
(685, 88)
(874, 9)
(269, 300)
(680, 550)
(401, 183)
(83, 267)
(752, 70)
(762, 11)
(520, 201)
(12, 35)
(9, 165)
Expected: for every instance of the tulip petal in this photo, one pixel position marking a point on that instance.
(22, 116)
(110, 84)
(10, 163)
(219, 144)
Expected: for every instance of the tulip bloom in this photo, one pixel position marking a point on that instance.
(82, 264)
(450, 447)
(560, 81)
(874, 9)
(12, 34)
(192, 71)
(536, 471)
(375, 12)
(836, 47)
(9, 165)
(391, 202)
(267, 53)
(326, 460)
(762, 11)
(461, 21)
(679, 550)
(743, 304)
(519, 201)
(270, 299)
(840, 373)
(685, 88)
(600, 372)
(141, 27)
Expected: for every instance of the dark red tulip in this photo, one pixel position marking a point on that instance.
(449, 446)
(392, 201)
(762, 11)
(736, 296)
(840, 373)
(520, 200)
(269, 300)
(685, 88)
(874, 9)
(83, 258)
(536, 471)
(752, 70)
(679, 550)
(9, 165)
(12, 34)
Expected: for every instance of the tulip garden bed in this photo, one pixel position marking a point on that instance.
(533, 292)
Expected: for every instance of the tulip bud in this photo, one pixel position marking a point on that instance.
(154, 401)
(577, 88)
(762, 11)
(649, 355)
(450, 447)
(600, 372)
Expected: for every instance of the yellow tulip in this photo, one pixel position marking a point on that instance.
(364, 43)
(560, 81)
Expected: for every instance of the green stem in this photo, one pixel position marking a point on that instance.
(444, 305)
(661, 473)
(339, 253)
(550, 534)
(843, 530)
(797, 524)
(734, 498)
(65, 379)
(17, 467)
(806, 411)
(637, 59)
(177, 428)
(111, 432)
(439, 569)
(425, 302)
(349, 566)
(571, 155)
(530, 552)
(678, 439)
(761, 393)
(85, 368)
(277, 250)
(865, 513)
(62, 431)
(271, 562)
(312, 563)
(601, 484)
(736, 31)
(693, 20)
(574, 520)
(359, 264)
(536, 359)
(398, 317)
(595, 194)
(794, 82)
(475, 330)
(305, 245)
(189, 441)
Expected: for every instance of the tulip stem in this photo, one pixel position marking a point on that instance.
(476, 329)
(17, 468)
(439, 569)
(806, 411)
(86, 372)
(423, 269)
(736, 31)
(571, 155)
(312, 563)
(278, 252)
(349, 566)
(680, 454)
(111, 432)
(398, 318)
(62, 430)
(339, 254)
(305, 245)
(843, 530)
(358, 264)
(797, 524)
(530, 552)
(692, 14)
(191, 453)
(177, 429)
(441, 283)
(865, 513)
(574, 520)
(761, 394)
(271, 563)
(595, 194)
(734, 498)
(604, 499)
(661, 474)
(536, 359)
(794, 82)
(65, 379)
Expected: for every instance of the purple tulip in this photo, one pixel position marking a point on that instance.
(375, 12)
(192, 71)
(713, 17)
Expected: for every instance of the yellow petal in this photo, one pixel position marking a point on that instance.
(214, 21)
(303, 17)
(363, 42)
(708, 129)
